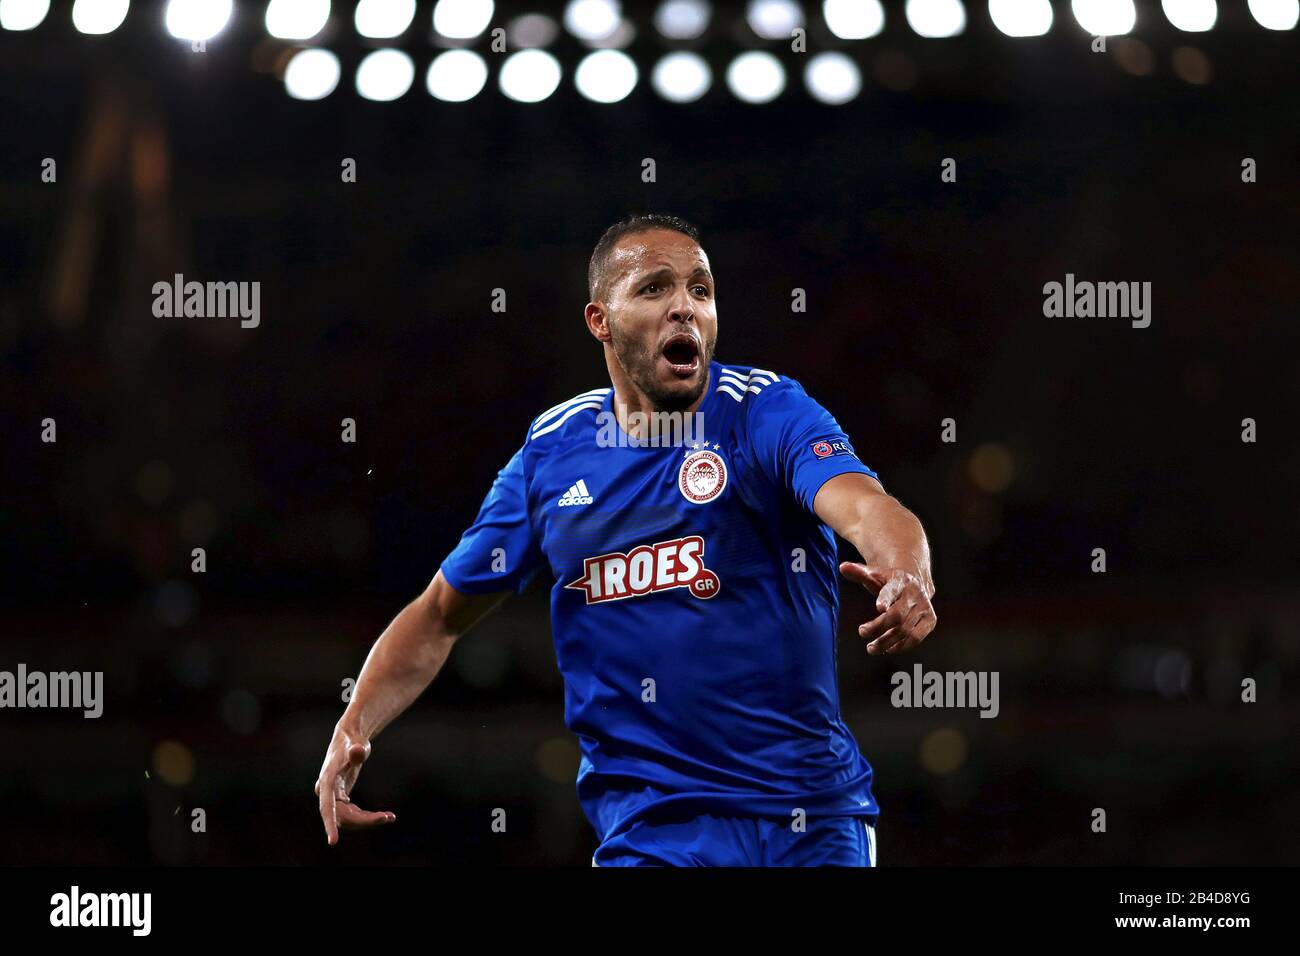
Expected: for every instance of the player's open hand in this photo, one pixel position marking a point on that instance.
(338, 774)
(906, 616)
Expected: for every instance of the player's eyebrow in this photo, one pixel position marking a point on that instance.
(667, 270)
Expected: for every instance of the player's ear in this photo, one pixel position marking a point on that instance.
(597, 318)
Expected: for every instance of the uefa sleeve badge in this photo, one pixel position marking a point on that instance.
(828, 447)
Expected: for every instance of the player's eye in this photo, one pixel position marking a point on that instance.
(703, 290)
(648, 288)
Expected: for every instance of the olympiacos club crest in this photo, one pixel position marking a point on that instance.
(702, 477)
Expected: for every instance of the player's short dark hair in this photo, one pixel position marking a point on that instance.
(597, 280)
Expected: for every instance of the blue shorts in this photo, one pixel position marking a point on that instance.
(708, 840)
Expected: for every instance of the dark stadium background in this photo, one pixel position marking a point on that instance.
(1119, 690)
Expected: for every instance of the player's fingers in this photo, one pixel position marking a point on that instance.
(901, 607)
(859, 574)
(875, 646)
(906, 638)
(352, 816)
(888, 641)
(905, 645)
(328, 814)
(901, 611)
(877, 626)
(923, 619)
(919, 624)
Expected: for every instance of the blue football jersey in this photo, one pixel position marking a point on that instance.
(694, 599)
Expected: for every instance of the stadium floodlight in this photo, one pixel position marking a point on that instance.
(756, 77)
(385, 75)
(456, 76)
(296, 19)
(312, 74)
(935, 18)
(622, 37)
(383, 19)
(1191, 16)
(530, 31)
(23, 14)
(197, 20)
(462, 19)
(1275, 14)
(854, 19)
(832, 78)
(605, 76)
(1021, 18)
(682, 77)
(592, 19)
(99, 16)
(529, 76)
(683, 19)
(773, 19)
(1104, 18)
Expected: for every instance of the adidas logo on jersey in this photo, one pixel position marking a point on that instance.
(576, 495)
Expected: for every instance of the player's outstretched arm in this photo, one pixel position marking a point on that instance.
(401, 664)
(897, 555)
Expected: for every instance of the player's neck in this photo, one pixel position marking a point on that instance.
(630, 401)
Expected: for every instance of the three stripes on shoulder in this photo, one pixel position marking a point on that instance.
(556, 416)
(738, 386)
(732, 383)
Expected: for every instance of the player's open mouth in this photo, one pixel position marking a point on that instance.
(682, 353)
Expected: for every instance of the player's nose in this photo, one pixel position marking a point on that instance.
(681, 309)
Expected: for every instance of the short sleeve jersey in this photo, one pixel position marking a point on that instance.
(694, 598)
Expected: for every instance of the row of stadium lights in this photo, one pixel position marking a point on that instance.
(608, 75)
(601, 22)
